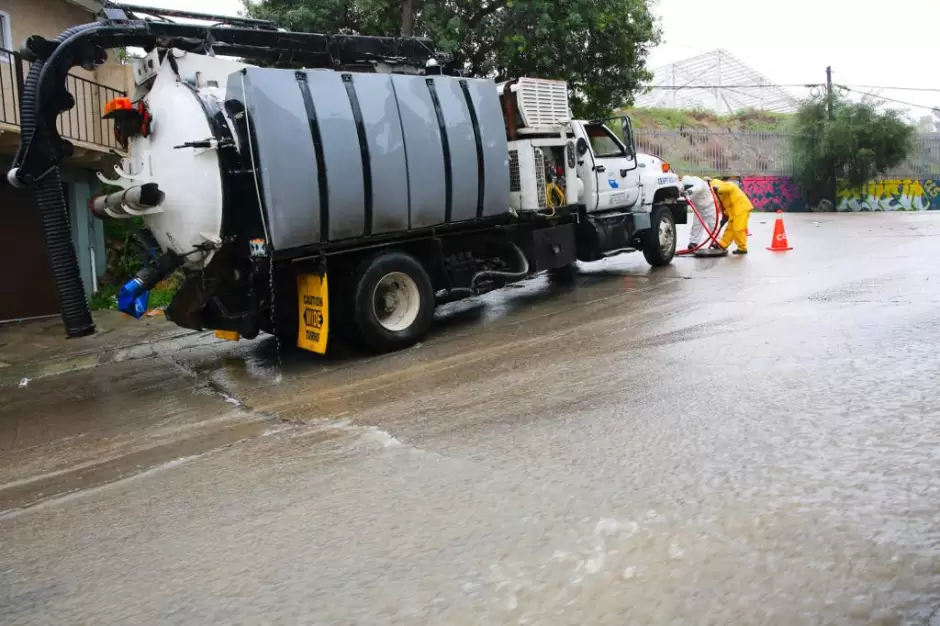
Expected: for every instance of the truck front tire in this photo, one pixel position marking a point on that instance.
(393, 302)
(659, 245)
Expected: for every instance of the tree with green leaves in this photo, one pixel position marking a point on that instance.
(599, 47)
(858, 144)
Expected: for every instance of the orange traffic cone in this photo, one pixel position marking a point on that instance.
(779, 243)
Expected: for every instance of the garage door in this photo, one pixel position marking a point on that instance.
(27, 288)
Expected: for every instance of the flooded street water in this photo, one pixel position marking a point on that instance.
(730, 441)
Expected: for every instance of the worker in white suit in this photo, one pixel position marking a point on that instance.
(701, 196)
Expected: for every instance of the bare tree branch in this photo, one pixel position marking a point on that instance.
(481, 13)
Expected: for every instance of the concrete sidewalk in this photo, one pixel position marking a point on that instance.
(36, 349)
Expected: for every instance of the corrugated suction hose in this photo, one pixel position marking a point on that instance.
(55, 217)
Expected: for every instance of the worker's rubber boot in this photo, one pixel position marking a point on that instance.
(739, 252)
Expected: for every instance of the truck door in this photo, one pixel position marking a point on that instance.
(608, 169)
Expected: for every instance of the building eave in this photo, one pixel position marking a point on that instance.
(92, 6)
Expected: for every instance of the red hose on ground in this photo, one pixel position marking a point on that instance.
(712, 234)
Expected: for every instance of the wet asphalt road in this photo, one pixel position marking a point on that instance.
(742, 440)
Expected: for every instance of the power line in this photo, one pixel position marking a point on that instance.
(851, 87)
(807, 86)
(766, 86)
(928, 89)
(909, 104)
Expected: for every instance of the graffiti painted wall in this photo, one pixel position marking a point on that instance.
(892, 195)
(772, 193)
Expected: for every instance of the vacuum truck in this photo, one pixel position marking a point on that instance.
(351, 192)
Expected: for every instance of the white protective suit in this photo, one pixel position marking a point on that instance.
(701, 196)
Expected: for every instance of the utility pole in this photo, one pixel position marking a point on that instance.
(833, 184)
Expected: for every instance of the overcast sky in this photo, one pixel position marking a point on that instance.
(866, 42)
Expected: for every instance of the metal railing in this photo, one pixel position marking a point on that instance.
(82, 123)
(760, 153)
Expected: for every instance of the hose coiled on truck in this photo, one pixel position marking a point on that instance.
(508, 276)
(54, 213)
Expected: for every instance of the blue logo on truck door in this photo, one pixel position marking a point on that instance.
(613, 183)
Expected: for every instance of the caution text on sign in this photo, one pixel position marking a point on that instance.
(313, 312)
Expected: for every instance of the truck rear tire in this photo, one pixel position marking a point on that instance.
(659, 246)
(393, 302)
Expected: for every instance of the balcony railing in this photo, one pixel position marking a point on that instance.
(82, 124)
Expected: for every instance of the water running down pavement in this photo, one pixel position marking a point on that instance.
(742, 441)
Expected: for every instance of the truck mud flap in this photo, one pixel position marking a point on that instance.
(680, 213)
(313, 313)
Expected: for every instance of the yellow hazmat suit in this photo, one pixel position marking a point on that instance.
(738, 208)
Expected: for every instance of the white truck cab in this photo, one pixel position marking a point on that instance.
(615, 176)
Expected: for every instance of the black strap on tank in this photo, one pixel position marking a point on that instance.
(318, 153)
(401, 126)
(478, 140)
(363, 149)
(445, 145)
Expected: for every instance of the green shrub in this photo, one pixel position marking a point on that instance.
(860, 143)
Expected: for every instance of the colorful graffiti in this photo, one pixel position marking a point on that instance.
(772, 193)
(892, 195)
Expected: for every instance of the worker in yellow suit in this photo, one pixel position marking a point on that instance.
(737, 206)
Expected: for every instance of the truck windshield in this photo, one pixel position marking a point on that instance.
(603, 143)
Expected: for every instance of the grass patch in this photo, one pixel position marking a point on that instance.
(652, 119)
(160, 296)
(105, 298)
(749, 120)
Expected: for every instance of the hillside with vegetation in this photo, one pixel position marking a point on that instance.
(676, 119)
(747, 142)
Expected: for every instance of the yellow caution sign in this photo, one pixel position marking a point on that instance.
(313, 312)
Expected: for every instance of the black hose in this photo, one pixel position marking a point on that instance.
(55, 216)
(523, 271)
(455, 294)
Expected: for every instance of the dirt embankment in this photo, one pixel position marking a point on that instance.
(748, 142)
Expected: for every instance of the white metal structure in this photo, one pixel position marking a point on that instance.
(716, 81)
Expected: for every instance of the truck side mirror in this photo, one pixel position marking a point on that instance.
(626, 131)
(581, 146)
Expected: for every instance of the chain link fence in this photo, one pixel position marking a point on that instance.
(718, 153)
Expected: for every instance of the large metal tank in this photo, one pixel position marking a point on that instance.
(343, 155)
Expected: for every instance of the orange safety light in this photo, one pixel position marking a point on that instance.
(129, 121)
(666, 168)
(118, 104)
